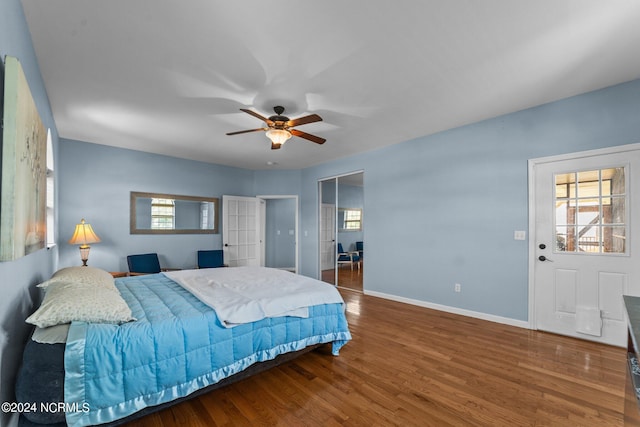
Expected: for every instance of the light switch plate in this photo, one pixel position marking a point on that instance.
(519, 235)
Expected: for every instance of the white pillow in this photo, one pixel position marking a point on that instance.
(51, 335)
(66, 302)
(83, 275)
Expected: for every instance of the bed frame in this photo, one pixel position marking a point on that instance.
(41, 379)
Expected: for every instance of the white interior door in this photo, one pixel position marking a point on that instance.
(585, 256)
(241, 231)
(262, 206)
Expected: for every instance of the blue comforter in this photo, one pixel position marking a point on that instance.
(176, 347)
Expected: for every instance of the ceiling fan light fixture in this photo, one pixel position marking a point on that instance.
(278, 136)
(281, 128)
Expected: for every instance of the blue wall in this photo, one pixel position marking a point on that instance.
(276, 182)
(442, 209)
(18, 278)
(95, 183)
(280, 243)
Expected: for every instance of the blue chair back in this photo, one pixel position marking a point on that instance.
(144, 263)
(210, 259)
(346, 256)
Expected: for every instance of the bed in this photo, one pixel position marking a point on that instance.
(176, 335)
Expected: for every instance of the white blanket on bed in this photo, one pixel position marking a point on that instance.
(247, 294)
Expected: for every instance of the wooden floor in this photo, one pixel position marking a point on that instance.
(412, 366)
(347, 278)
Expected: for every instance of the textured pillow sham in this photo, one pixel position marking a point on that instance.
(65, 302)
(83, 275)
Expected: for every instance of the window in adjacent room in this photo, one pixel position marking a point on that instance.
(163, 214)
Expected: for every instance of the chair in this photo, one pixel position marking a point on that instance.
(347, 257)
(210, 259)
(144, 263)
(360, 249)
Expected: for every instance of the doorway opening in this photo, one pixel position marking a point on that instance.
(260, 231)
(279, 232)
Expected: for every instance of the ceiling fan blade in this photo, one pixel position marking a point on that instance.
(247, 131)
(258, 116)
(304, 120)
(308, 136)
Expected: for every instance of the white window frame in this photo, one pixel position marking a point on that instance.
(51, 193)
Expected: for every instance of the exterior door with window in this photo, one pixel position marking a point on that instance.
(241, 231)
(585, 255)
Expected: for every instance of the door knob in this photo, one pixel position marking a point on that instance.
(544, 258)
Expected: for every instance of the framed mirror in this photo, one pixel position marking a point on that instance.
(156, 213)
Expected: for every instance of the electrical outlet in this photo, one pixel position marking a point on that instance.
(457, 287)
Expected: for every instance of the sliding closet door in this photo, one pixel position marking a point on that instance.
(327, 227)
(341, 221)
(350, 230)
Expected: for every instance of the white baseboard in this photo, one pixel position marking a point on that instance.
(454, 310)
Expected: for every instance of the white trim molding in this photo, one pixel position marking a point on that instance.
(453, 310)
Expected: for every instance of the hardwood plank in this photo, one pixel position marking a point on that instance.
(410, 365)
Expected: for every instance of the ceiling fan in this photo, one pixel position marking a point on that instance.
(280, 128)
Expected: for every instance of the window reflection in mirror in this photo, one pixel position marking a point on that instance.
(153, 213)
(350, 219)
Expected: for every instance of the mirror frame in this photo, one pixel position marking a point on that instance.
(132, 213)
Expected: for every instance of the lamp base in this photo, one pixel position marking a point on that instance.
(84, 254)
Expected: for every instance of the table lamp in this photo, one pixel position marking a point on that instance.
(83, 235)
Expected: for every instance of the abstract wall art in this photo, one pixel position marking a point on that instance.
(23, 185)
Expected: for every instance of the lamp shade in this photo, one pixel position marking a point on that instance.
(84, 234)
(278, 136)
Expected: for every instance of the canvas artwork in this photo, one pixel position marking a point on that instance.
(23, 193)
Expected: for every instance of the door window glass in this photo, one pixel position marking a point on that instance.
(590, 211)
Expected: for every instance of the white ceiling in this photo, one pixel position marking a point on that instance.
(168, 77)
